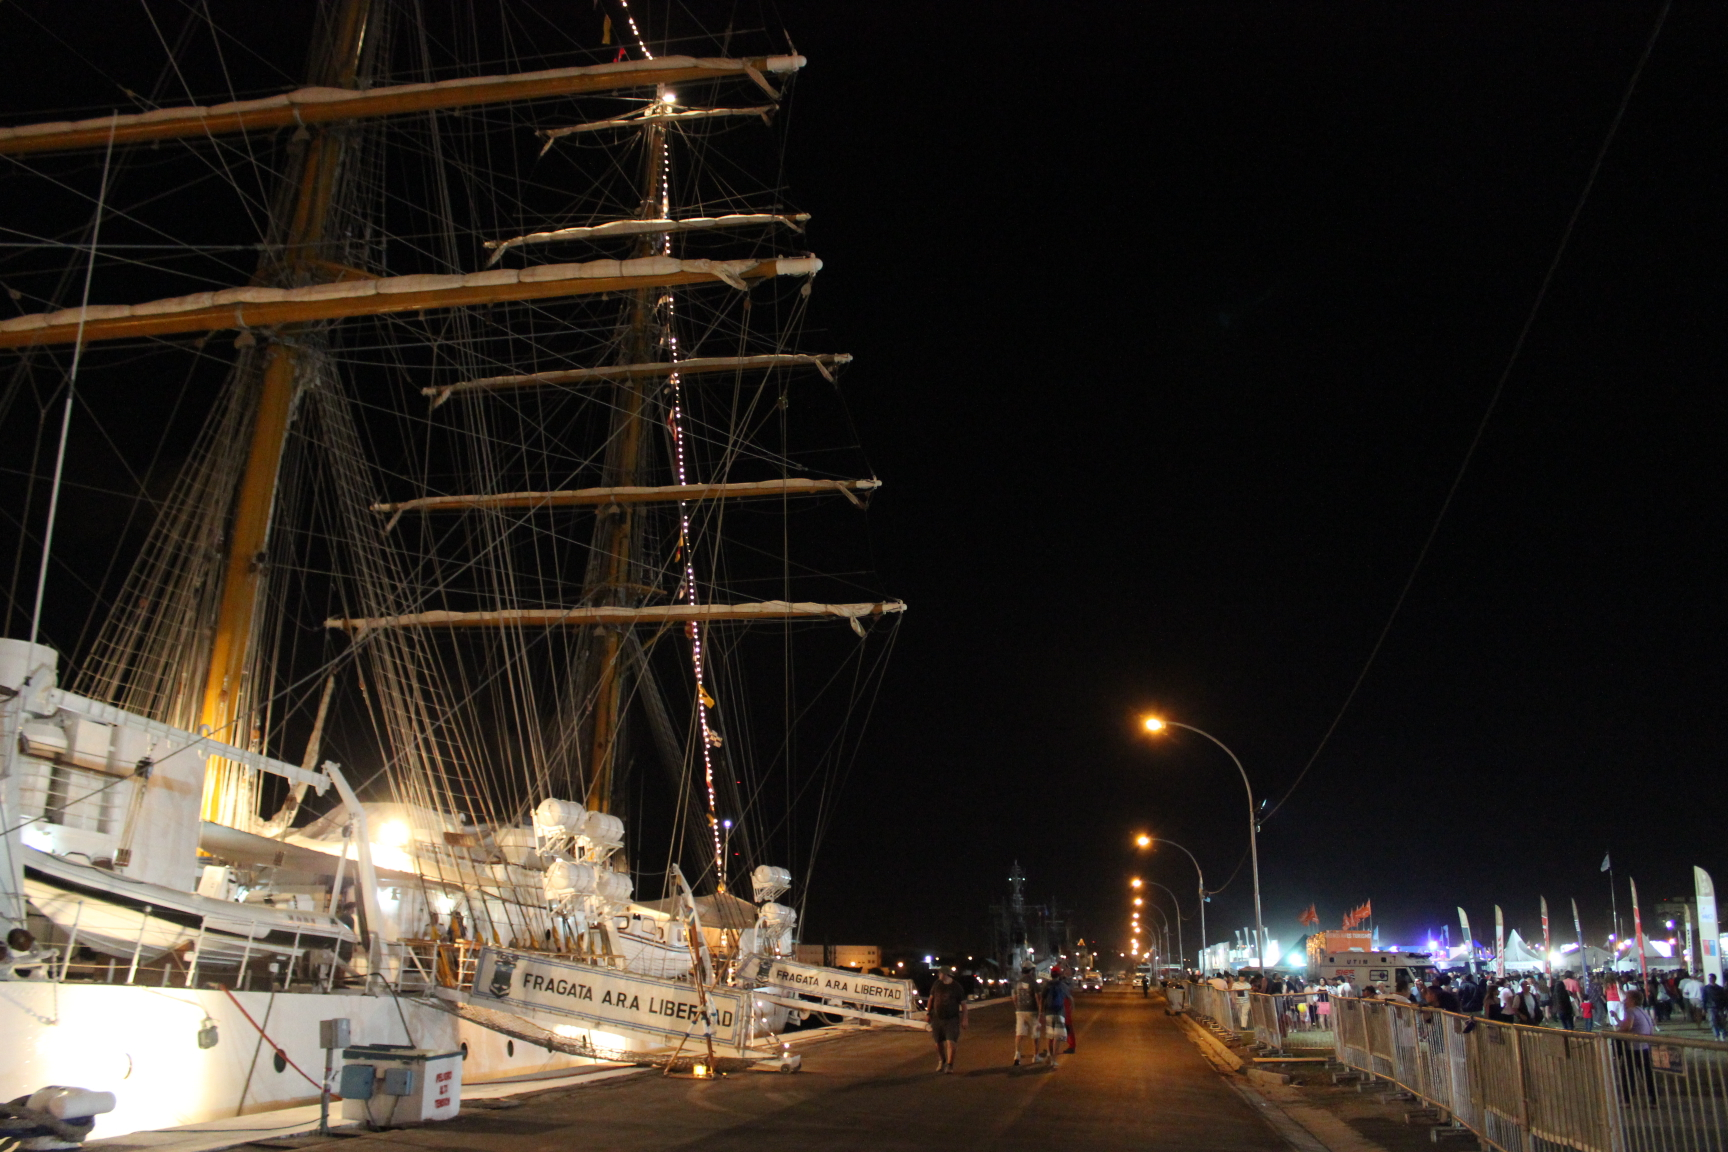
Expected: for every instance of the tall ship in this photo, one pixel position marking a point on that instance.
(440, 596)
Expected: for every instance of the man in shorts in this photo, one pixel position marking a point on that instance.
(946, 1012)
(1056, 999)
(1028, 1012)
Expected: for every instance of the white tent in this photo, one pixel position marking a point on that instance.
(1520, 957)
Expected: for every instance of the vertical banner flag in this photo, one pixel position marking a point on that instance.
(1578, 927)
(1499, 942)
(1469, 941)
(1638, 931)
(1709, 942)
(1547, 941)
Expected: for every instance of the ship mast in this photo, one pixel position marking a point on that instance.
(617, 527)
(304, 284)
(229, 788)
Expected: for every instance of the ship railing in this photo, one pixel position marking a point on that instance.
(256, 968)
(429, 963)
(1521, 1087)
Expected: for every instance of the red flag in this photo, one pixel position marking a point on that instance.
(1310, 917)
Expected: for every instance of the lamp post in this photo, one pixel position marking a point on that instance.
(1181, 950)
(1166, 928)
(1147, 842)
(1154, 724)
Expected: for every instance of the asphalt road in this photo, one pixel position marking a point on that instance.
(1136, 1082)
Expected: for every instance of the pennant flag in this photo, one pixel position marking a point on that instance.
(1607, 864)
(1499, 943)
(1638, 931)
(1547, 941)
(1711, 958)
(606, 31)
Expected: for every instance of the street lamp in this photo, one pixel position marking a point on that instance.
(1181, 952)
(1155, 725)
(1166, 928)
(1147, 841)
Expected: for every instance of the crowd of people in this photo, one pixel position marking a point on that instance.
(1577, 1002)
(1630, 1003)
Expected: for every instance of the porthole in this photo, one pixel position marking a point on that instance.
(464, 1049)
(279, 1060)
(509, 1047)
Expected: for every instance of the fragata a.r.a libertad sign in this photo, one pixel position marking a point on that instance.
(641, 1003)
(836, 984)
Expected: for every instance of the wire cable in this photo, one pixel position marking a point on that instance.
(1493, 403)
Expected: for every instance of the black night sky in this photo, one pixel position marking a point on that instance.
(1174, 323)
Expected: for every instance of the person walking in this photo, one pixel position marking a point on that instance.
(1028, 1012)
(1692, 990)
(1716, 1008)
(1527, 1005)
(1068, 1008)
(1635, 1068)
(946, 1012)
(1561, 1003)
(1056, 1000)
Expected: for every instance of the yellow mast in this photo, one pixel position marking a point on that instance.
(230, 789)
(279, 305)
(616, 527)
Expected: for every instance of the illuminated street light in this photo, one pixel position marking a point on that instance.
(1201, 953)
(1134, 883)
(1143, 840)
(1138, 901)
(1154, 724)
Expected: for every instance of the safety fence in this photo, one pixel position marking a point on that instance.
(1227, 1009)
(1292, 1021)
(1518, 1088)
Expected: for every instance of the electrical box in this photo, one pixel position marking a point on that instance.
(334, 1034)
(357, 1081)
(401, 1085)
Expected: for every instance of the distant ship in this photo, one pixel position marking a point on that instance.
(501, 498)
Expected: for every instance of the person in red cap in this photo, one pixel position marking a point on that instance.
(1057, 1003)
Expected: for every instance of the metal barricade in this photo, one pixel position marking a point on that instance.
(1521, 1088)
(1225, 1008)
(1290, 1021)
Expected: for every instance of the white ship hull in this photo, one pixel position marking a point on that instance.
(141, 1044)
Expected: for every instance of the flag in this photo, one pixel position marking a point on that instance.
(1367, 909)
(1607, 864)
(606, 31)
(1710, 959)
(1310, 917)
(1499, 943)
(1638, 931)
(1547, 941)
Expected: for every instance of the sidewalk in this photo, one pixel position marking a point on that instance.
(212, 1135)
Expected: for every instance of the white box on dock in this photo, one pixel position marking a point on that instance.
(405, 1085)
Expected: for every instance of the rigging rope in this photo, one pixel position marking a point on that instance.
(1493, 403)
